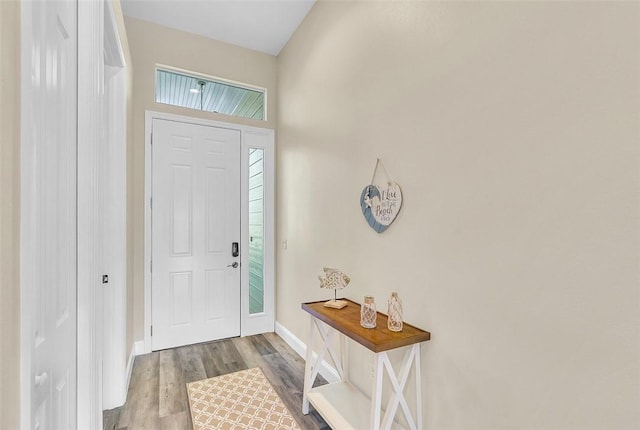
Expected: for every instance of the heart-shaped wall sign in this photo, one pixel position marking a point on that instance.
(380, 206)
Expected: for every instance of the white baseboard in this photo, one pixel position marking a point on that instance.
(139, 347)
(327, 371)
(136, 349)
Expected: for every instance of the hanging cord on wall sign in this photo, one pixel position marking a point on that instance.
(375, 170)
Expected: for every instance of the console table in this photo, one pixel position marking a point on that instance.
(342, 405)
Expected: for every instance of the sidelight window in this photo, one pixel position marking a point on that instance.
(256, 230)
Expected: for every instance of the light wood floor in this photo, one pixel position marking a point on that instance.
(157, 398)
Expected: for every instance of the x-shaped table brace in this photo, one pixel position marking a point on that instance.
(313, 366)
(381, 362)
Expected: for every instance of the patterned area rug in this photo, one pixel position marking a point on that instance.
(240, 400)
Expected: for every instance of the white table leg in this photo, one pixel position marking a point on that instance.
(308, 369)
(418, 387)
(376, 392)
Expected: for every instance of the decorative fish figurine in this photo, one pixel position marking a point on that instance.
(334, 279)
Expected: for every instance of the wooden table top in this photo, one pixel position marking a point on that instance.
(347, 322)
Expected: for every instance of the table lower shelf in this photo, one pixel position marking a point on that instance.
(343, 406)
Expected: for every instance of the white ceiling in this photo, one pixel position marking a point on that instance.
(262, 25)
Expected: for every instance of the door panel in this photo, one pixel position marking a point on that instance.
(181, 298)
(49, 156)
(181, 216)
(195, 219)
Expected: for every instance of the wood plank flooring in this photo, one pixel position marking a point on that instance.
(157, 398)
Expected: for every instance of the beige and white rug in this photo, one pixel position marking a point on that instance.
(240, 400)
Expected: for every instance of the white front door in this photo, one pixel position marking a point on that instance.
(49, 213)
(195, 223)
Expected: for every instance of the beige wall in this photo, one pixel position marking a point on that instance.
(512, 129)
(152, 44)
(9, 214)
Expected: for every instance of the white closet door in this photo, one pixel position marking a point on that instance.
(195, 221)
(49, 211)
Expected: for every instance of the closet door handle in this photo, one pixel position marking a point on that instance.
(41, 379)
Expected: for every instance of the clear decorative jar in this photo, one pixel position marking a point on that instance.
(394, 312)
(368, 313)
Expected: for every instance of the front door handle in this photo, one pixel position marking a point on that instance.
(234, 265)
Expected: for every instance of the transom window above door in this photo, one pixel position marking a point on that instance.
(209, 94)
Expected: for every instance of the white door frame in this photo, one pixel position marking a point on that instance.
(250, 137)
(101, 147)
(90, 105)
(114, 363)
